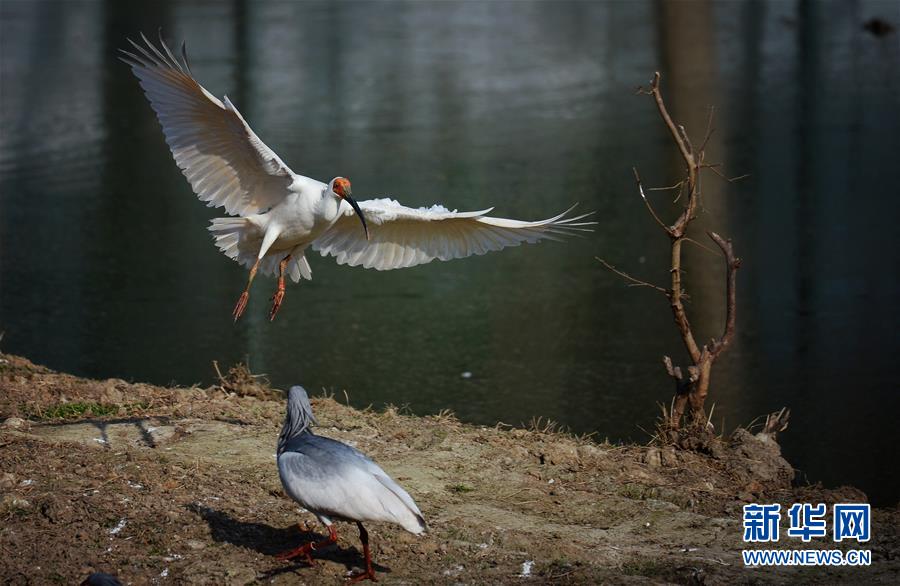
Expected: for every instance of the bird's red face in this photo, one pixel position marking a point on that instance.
(341, 188)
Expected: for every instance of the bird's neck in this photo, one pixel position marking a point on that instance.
(293, 427)
(328, 206)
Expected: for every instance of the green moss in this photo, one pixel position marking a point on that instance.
(460, 488)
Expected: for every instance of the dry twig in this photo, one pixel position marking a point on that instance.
(692, 382)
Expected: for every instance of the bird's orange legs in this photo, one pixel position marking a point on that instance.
(369, 574)
(276, 299)
(307, 548)
(279, 293)
(245, 296)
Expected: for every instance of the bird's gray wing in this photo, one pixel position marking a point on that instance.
(400, 493)
(401, 236)
(222, 158)
(331, 478)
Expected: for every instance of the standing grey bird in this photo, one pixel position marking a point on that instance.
(336, 482)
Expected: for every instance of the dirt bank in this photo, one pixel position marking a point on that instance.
(165, 485)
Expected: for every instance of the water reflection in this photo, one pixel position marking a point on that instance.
(106, 269)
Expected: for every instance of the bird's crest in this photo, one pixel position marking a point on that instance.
(299, 416)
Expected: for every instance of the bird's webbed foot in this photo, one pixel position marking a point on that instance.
(241, 305)
(308, 548)
(279, 293)
(276, 303)
(305, 550)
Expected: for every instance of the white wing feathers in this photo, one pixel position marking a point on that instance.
(404, 237)
(222, 158)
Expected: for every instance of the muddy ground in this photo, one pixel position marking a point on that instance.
(179, 485)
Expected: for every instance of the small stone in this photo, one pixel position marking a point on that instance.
(239, 576)
(561, 454)
(668, 457)
(7, 480)
(653, 458)
(587, 451)
(11, 501)
(195, 544)
(14, 423)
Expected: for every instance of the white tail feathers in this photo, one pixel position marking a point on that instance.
(240, 239)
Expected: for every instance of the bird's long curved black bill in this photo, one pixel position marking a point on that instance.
(359, 213)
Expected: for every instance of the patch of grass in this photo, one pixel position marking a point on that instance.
(137, 407)
(546, 426)
(633, 491)
(642, 567)
(156, 551)
(460, 488)
(558, 564)
(75, 410)
(559, 567)
(444, 416)
(20, 511)
(455, 533)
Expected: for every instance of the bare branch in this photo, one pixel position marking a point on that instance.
(686, 139)
(732, 264)
(637, 178)
(709, 129)
(673, 129)
(680, 192)
(634, 281)
(684, 146)
(674, 371)
(775, 423)
(715, 169)
(703, 246)
(692, 380)
(678, 185)
(675, 295)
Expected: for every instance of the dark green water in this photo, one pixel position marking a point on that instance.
(106, 268)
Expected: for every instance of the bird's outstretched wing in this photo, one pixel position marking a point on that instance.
(222, 158)
(404, 237)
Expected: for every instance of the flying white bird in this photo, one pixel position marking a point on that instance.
(277, 214)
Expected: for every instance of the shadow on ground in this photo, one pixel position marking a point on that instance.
(103, 425)
(270, 541)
